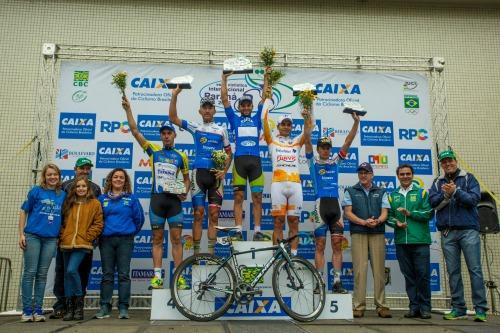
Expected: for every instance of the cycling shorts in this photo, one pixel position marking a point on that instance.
(165, 207)
(203, 184)
(248, 167)
(328, 212)
(286, 198)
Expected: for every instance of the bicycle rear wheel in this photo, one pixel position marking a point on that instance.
(294, 286)
(202, 288)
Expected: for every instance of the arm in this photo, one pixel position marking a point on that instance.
(424, 213)
(138, 215)
(131, 122)
(383, 216)
(97, 224)
(352, 134)
(308, 145)
(267, 130)
(22, 223)
(308, 127)
(172, 110)
(437, 198)
(187, 184)
(223, 90)
(470, 196)
(266, 86)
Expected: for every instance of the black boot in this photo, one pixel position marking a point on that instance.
(70, 309)
(79, 308)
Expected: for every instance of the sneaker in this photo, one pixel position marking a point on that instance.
(238, 236)
(454, 315)
(27, 315)
(38, 315)
(258, 236)
(480, 316)
(103, 313)
(123, 314)
(338, 289)
(156, 283)
(412, 314)
(182, 283)
(425, 315)
(57, 314)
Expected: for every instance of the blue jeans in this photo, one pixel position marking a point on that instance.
(468, 242)
(72, 282)
(37, 257)
(414, 262)
(116, 252)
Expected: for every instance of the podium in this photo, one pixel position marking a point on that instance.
(337, 306)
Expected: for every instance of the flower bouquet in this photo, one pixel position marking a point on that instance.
(120, 81)
(219, 158)
(267, 56)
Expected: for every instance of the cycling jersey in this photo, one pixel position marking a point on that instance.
(165, 164)
(246, 130)
(207, 138)
(325, 175)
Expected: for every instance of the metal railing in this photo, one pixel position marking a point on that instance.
(5, 276)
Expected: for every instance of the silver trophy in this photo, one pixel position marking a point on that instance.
(184, 82)
(177, 187)
(298, 88)
(237, 65)
(354, 107)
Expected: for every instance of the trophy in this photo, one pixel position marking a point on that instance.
(237, 65)
(177, 187)
(298, 88)
(354, 107)
(184, 82)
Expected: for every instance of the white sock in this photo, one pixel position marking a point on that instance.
(336, 276)
(294, 252)
(157, 272)
(256, 228)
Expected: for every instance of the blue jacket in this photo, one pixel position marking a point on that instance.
(44, 211)
(458, 212)
(123, 216)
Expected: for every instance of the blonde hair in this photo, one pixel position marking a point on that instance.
(43, 179)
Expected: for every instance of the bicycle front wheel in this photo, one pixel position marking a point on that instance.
(295, 289)
(202, 287)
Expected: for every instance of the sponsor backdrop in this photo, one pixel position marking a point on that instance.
(90, 122)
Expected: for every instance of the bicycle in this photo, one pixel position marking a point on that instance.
(210, 284)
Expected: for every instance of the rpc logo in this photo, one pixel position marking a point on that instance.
(412, 133)
(113, 126)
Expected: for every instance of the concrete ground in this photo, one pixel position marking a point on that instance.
(139, 323)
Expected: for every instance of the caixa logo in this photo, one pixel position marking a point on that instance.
(412, 134)
(338, 88)
(143, 182)
(189, 150)
(298, 127)
(377, 133)
(350, 163)
(114, 154)
(76, 125)
(143, 244)
(67, 175)
(419, 159)
(387, 182)
(113, 126)
(149, 82)
(149, 125)
(258, 307)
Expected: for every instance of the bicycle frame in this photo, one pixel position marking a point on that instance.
(281, 252)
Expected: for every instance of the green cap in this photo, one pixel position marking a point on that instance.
(83, 161)
(446, 154)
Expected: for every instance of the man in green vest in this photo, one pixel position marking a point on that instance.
(366, 207)
(409, 216)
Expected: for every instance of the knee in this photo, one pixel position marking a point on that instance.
(198, 213)
(293, 222)
(320, 247)
(257, 198)
(175, 240)
(337, 244)
(238, 197)
(158, 240)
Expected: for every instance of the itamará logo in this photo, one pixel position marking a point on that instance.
(80, 78)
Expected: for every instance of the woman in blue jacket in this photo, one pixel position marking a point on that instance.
(39, 225)
(123, 218)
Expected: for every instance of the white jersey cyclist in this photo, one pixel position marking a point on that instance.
(286, 188)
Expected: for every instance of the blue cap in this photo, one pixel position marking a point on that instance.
(167, 126)
(365, 166)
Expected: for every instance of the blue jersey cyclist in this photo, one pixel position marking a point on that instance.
(247, 162)
(207, 180)
(167, 191)
(324, 173)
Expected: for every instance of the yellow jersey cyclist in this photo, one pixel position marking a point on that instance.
(165, 204)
